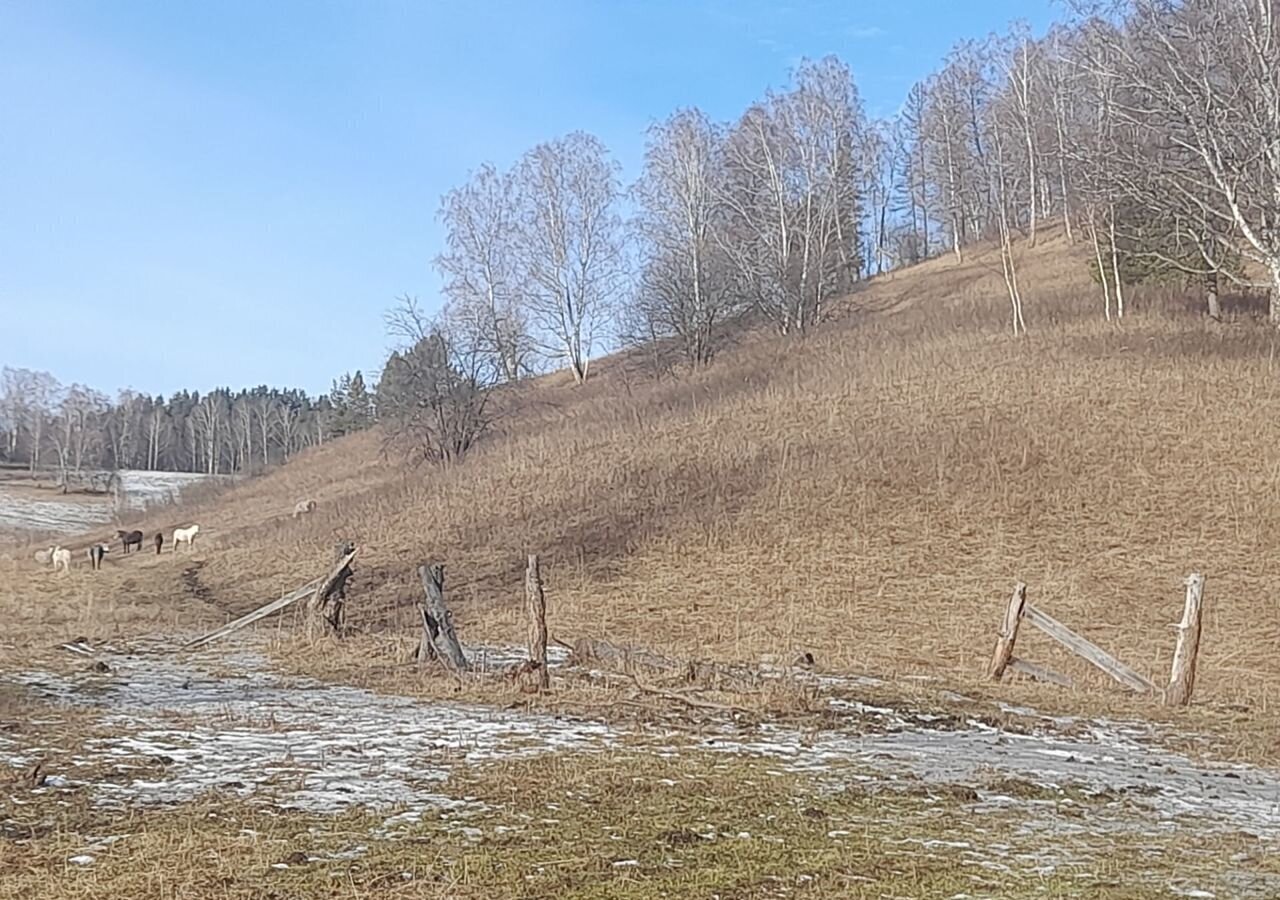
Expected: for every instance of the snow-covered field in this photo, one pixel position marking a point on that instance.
(22, 510)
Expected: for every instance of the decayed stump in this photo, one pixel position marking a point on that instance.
(1003, 654)
(536, 608)
(439, 639)
(324, 608)
(1182, 679)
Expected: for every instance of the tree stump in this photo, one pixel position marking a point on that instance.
(324, 609)
(536, 607)
(439, 639)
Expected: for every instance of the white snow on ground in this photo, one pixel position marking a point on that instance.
(173, 731)
(1112, 757)
(145, 489)
(298, 743)
(19, 512)
(322, 747)
(142, 490)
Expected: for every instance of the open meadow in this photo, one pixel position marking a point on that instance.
(867, 495)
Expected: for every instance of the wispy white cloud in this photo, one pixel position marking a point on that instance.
(862, 32)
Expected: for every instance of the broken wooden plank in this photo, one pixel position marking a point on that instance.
(1182, 677)
(1090, 651)
(439, 639)
(249, 618)
(623, 659)
(630, 660)
(1039, 673)
(1008, 633)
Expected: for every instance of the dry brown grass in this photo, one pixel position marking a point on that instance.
(869, 494)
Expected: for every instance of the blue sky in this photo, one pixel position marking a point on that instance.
(200, 194)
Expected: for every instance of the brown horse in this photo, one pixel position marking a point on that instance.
(159, 541)
(130, 539)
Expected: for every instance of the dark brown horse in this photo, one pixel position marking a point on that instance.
(159, 541)
(130, 539)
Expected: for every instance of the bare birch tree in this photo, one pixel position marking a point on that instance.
(791, 196)
(1199, 85)
(915, 183)
(1018, 60)
(482, 278)
(568, 243)
(684, 287)
(883, 160)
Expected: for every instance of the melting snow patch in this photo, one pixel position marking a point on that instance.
(320, 747)
(300, 743)
(83, 859)
(1108, 758)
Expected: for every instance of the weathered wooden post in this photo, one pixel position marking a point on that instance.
(536, 607)
(1003, 654)
(1182, 677)
(324, 608)
(439, 640)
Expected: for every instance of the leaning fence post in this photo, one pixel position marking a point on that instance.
(1008, 633)
(536, 607)
(1182, 677)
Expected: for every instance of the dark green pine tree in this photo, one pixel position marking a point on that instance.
(340, 417)
(359, 403)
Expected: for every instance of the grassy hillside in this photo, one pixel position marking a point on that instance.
(869, 494)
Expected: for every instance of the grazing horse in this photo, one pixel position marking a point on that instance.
(130, 539)
(302, 507)
(61, 559)
(159, 541)
(96, 554)
(185, 536)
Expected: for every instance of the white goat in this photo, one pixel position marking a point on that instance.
(61, 559)
(185, 536)
(302, 507)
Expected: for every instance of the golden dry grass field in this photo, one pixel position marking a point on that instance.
(869, 494)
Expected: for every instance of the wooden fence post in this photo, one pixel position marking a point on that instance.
(1003, 654)
(536, 606)
(324, 608)
(1182, 677)
(439, 640)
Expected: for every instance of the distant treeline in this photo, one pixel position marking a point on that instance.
(73, 427)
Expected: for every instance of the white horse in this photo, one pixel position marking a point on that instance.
(44, 557)
(61, 559)
(302, 507)
(185, 536)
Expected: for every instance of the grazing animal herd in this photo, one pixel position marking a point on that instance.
(60, 557)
